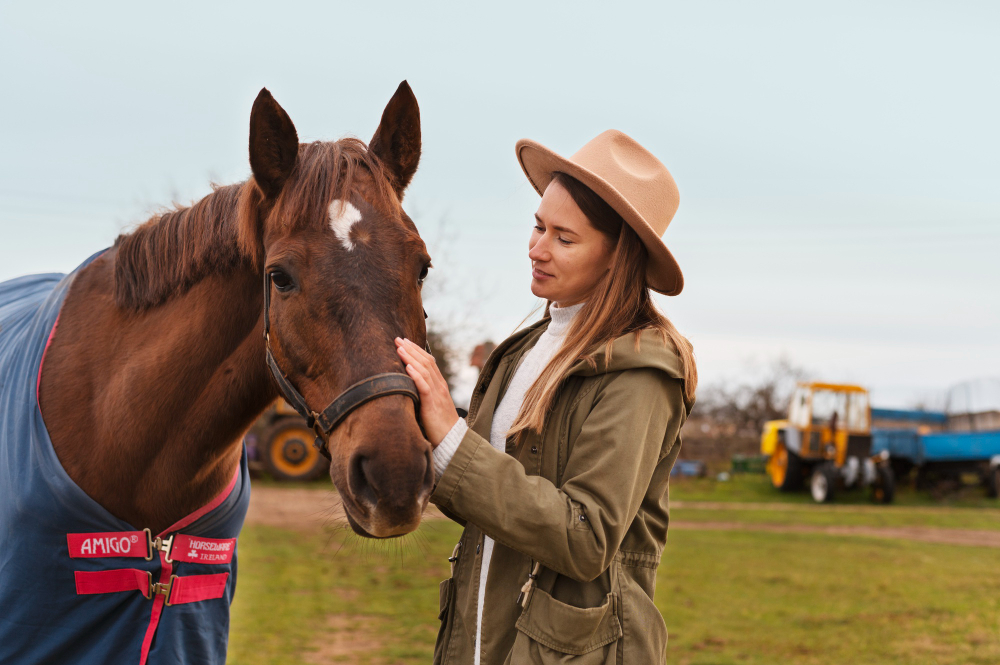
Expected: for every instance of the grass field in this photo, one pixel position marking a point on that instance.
(755, 488)
(727, 596)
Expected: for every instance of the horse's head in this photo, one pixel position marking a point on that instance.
(344, 266)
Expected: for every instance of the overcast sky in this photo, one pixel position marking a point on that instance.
(838, 162)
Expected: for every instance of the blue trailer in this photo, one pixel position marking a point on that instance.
(942, 455)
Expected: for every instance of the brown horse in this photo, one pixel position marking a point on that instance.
(157, 366)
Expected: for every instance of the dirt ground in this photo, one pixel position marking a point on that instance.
(346, 638)
(302, 509)
(306, 509)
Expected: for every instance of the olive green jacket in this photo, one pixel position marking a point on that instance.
(587, 499)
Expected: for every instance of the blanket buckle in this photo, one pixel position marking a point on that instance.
(161, 588)
(158, 545)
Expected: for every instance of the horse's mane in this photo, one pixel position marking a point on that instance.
(175, 249)
(224, 231)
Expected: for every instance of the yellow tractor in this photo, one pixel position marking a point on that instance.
(827, 442)
(284, 445)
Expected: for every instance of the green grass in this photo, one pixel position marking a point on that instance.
(741, 597)
(745, 487)
(727, 597)
(755, 488)
(875, 516)
(291, 583)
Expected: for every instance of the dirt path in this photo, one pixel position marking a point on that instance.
(302, 509)
(308, 509)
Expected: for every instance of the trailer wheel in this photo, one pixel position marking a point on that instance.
(287, 451)
(823, 483)
(901, 469)
(884, 487)
(993, 482)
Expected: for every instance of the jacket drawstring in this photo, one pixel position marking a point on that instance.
(529, 585)
(454, 557)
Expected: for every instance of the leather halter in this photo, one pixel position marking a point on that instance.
(324, 422)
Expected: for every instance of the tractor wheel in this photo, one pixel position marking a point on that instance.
(823, 483)
(785, 469)
(884, 487)
(993, 482)
(287, 451)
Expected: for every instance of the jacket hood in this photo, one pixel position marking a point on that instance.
(652, 352)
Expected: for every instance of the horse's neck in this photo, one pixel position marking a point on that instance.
(146, 410)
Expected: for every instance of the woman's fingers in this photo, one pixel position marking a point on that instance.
(428, 361)
(419, 366)
(422, 386)
(417, 355)
(418, 363)
(418, 351)
(437, 412)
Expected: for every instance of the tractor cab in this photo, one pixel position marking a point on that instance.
(827, 441)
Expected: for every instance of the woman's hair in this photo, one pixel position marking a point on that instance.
(620, 304)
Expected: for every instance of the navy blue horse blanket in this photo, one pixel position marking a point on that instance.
(77, 584)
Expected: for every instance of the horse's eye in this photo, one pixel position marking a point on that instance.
(281, 280)
(423, 275)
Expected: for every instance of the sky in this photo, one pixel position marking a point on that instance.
(838, 162)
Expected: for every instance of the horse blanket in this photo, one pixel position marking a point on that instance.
(77, 584)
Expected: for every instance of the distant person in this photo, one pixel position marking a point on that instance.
(481, 354)
(560, 475)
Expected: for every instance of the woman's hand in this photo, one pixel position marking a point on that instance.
(437, 411)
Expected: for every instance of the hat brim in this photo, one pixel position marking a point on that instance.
(663, 274)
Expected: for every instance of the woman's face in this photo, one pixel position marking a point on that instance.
(568, 255)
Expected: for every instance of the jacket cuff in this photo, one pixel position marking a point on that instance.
(452, 477)
(446, 449)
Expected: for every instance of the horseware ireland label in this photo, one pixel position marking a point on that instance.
(111, 544)
(202, 550)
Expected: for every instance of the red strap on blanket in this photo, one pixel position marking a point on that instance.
(202, 550)
(179, 590)
(194, 588)
(110, 544)
(113, 581)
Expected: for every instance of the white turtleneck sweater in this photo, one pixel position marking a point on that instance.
(530, 368)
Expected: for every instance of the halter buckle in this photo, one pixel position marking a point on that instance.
(319, 443)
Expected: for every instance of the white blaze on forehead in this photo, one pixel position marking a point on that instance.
(343, 217)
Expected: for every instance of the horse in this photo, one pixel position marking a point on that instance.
(167, 346)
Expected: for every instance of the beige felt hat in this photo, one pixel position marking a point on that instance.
(631, 180)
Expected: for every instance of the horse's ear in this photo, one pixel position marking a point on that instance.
(397, 140)
(274, 144)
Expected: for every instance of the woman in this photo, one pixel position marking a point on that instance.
(560, 472)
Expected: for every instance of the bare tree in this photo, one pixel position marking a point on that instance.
(745, 407)
(443, 353)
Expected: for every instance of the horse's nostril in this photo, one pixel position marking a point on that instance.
(359, 479)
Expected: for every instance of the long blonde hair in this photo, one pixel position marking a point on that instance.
(620, 304)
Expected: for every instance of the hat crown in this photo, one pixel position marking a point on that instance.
(642, 179)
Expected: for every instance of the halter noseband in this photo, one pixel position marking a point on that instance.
(379, 385)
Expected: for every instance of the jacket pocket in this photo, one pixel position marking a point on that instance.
(446, 591)
(550, 631)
